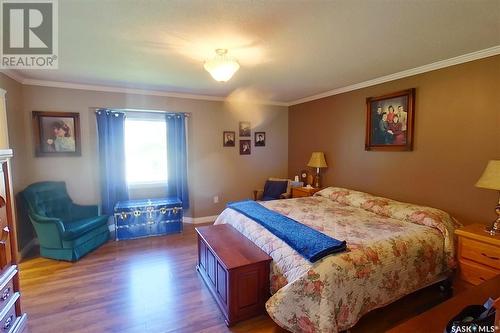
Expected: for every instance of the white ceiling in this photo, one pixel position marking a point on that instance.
(287, 49)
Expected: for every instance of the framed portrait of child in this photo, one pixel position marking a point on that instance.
(56, 133)
(389, 121)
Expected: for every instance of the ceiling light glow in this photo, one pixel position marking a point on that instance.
(222, 67)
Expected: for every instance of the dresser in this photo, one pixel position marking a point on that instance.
(299, 192)
(12, 319)
(478, 254)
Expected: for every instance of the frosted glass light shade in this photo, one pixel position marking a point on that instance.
(222, 67)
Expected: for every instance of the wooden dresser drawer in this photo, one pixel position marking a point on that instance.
(7, 286)
(9, 321)
(476, 273)
(480, 252)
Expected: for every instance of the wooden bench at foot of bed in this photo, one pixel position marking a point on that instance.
(235, 270)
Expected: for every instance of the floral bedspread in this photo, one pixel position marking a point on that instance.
(394, 248)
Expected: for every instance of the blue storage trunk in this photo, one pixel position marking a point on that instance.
(151, 217)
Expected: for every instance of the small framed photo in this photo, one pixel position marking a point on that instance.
(260, 139)
(244, 128)
(389, 121)
(245, 147)
(228, 138)
(56, 133)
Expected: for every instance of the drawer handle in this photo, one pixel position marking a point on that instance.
(489, 257)
(2, 202)
(6, 294)
(8, 322)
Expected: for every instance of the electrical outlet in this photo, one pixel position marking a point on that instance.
(216, 199)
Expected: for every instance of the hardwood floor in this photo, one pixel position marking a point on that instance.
(151, 285)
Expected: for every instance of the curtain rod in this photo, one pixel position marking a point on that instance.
(187, 114)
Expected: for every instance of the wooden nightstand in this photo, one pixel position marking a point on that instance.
(299, 192)
(478, 254)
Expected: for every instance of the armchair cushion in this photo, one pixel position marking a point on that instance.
(273, 189)
(75, 229)
(79, 212)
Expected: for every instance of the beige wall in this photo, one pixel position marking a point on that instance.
(457, 130)
(17, 141)
(16, 134)
(14, 119)
(213, 170)
(4, 134)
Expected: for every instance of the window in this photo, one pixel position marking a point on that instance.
(146, 151)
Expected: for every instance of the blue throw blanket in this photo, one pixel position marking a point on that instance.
(310, 243)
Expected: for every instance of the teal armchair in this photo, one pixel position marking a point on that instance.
(65, 230)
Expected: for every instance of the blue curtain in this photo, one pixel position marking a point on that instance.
(177, 158)
(111, 132)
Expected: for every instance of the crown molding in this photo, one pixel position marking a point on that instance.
(131, 91)
(492, 51)
(13, 75)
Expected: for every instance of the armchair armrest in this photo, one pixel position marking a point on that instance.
(285, 196)
(47, 220)
(48, 229)
(79, 212)
(257, 195)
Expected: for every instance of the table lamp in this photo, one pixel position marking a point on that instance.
(317, 161)
(490, 179)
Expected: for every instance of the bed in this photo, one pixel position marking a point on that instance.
(393, 249)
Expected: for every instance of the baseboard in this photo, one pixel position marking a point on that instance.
(27, 248)
(198, 220)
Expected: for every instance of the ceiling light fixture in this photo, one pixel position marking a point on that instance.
(222, 67)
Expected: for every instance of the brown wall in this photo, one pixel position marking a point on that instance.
(457, 130)
(213, 170)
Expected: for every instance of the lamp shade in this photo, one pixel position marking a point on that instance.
(317, 160)
(490, 178)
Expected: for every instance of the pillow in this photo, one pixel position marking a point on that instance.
(274, 189)
(402, 211)
(288, 187)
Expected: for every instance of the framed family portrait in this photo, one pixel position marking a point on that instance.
(56, 133)
(389, 121)
(245, 147)
(244, 128)
(228, 138)
(260, 139)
